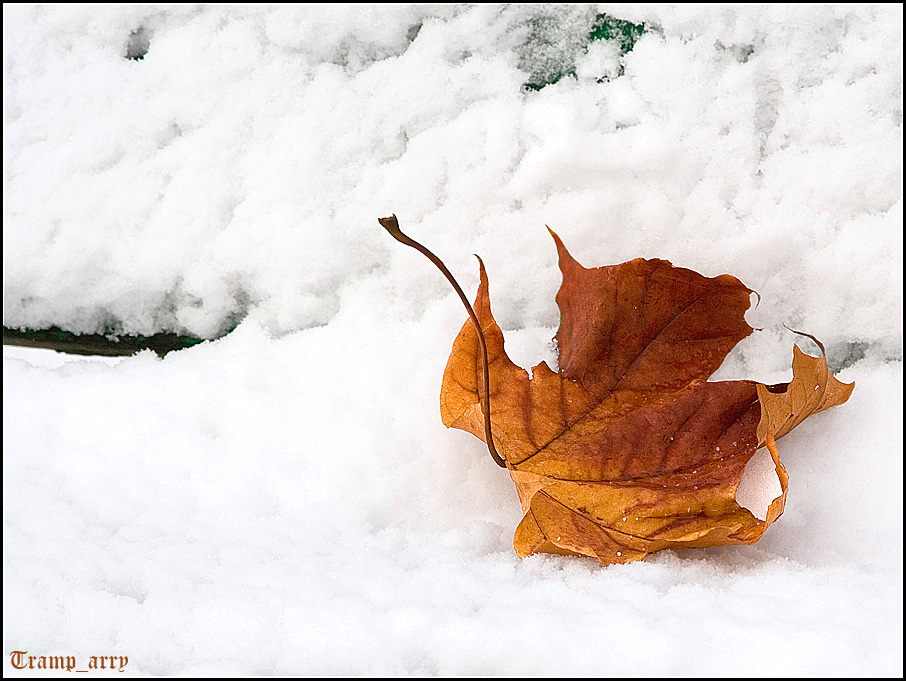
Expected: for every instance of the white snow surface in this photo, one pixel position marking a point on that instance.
(285, 500)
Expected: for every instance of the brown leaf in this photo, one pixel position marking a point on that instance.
(628, 449)
(813, 389)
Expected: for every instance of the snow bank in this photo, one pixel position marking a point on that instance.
(256, 506)
(242, 163)
(285, 500)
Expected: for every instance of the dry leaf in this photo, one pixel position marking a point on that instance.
(629, 449)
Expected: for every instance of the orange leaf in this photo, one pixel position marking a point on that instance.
(629, 449)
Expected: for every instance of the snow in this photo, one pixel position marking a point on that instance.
(285, 500)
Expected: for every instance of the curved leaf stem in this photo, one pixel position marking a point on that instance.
(391, 224)
(808, 335)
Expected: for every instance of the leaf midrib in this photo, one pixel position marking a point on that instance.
(598, 401)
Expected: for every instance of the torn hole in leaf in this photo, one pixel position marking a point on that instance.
(760, 484)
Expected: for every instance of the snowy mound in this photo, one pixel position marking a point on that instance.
(241, 162)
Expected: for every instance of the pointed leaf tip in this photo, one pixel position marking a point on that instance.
(482, 278)
(565, 259)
